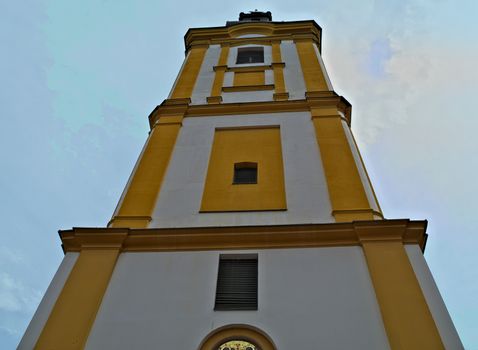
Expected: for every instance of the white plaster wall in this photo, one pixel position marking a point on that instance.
(308, 298)
(322, 65)
(247, 96)
(294, 79)
(47, 303)
(361, 168)
(305, 185)
(205, 79)
(437, 307)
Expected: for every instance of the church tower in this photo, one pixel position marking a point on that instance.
(249, 221)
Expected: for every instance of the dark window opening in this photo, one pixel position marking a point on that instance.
(245, 173)
(237, 283)
(250, 55)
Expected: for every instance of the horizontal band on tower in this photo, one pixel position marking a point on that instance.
(245, 237)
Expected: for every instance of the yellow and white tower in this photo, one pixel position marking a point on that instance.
(249, 221)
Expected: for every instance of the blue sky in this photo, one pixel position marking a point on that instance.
(80, 78)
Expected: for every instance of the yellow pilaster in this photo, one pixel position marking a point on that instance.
(75, 310)
(407, 319)
(220, 70)
(311, 69)
(138, 204)
(185, 83)
(278, 68)
(347, 194)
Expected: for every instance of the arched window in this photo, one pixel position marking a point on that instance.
(237, 337)
(237, 344)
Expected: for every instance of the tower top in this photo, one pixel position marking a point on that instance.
(255, 16)
(252, 16)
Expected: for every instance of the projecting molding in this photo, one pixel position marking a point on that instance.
(245, 237)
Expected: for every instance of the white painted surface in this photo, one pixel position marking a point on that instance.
(322, 66)
(228, 79)
(294, 79)
(305, 185)
(47, 303)
(205, 79)
(247, 96)
(269, 76)
(437, 307)
(306, 297)
(250, 35)
(361, 168)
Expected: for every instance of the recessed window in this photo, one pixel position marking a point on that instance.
(237, 283)
(250, 55)
(245, 173)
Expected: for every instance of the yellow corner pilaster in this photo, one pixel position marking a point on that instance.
(138, 204)
(407, 319)
(346, 191)
(311, 69)
(185, 83)
(278, 68)
(220, 70)
(75, 310)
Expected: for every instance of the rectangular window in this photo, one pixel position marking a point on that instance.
(237, 283)
(250, 55)
(245, 173)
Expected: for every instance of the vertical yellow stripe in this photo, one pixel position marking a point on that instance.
(140, 198)
(185, 84)
(408, 321)
(313, 75)
(220, 70)
(277, 66)
(346, 191)
(75, 310)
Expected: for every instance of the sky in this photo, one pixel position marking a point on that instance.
(79, 79)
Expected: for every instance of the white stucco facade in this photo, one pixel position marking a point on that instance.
(306, 298)
(293, 78)
(306, 190)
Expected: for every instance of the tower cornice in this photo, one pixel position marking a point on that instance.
(272, 31)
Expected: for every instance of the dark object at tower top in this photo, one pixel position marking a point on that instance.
(255, 16)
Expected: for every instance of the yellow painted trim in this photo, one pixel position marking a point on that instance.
(237, 332)
(138, 204)
(249, 79)
(185, 84)
(284, 96)
(248, 88)
(366, 173)
(346, 191)
(245, 237)
(261, 145)
(318, 100)
(407, 319)
(70, 321)
(311, 69)
(219, 76)
(278, 68)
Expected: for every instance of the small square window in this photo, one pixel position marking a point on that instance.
(250, 55)
(237, 282)
(245, 173)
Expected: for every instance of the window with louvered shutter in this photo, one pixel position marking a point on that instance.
(237, 283)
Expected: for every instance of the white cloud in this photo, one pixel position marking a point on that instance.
(15, 297)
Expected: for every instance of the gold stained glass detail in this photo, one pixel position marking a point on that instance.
(238, 345)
